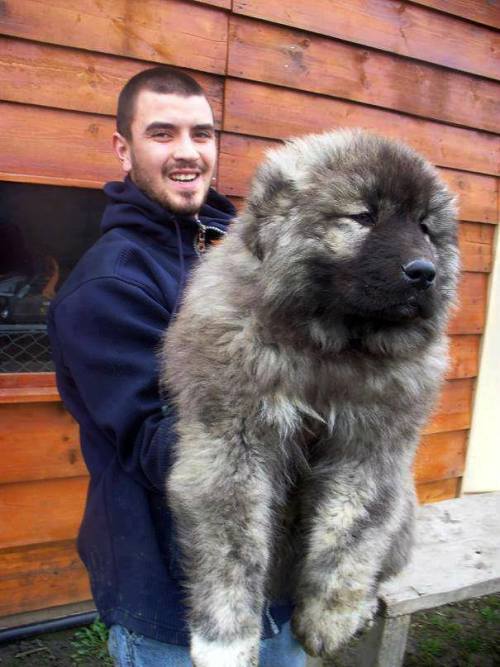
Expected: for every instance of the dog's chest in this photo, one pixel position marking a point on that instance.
(312, 392)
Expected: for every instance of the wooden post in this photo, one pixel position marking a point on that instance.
(384, 644)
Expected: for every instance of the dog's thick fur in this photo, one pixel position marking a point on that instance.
(303, 364)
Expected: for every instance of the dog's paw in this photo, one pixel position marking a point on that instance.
(323, 627)
(238, 653)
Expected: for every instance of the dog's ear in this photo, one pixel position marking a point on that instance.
(269, 199)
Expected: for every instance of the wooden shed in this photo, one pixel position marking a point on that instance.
(425, 71)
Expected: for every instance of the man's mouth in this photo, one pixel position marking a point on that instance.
(183, 178)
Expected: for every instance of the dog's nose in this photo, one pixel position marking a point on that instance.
(420, 273)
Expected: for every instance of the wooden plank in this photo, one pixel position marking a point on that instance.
(50, 418)
(19, 380)
(47, 141)
(40, 179)
(464, 357)
(470, 318)
(433, 492)
(223, 4)
(480, 11)
(240, 156)
(176, 32)
(476, 246)
(27, 387)
(39, 441)
(66, 78)
(29, 395)
(454, 408)
(279, 113)
(299, 60)
(397, 27)
(477, 195)
(456, 556)
(50, 431)
(41, 511)
(440, 456)
(40, 576)
(57, 144)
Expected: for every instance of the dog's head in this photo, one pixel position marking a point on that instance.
(356, 227)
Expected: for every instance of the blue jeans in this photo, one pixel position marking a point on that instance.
(131, 650)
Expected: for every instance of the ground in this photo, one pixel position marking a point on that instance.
(461, 635)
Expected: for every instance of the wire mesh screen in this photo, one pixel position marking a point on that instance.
(24, 349)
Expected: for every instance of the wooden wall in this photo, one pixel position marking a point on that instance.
(425, 71)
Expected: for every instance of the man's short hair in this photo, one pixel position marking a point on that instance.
(161, 79)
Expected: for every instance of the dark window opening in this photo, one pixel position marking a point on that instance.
(44, 230)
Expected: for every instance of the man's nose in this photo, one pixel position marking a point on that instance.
(185, 149)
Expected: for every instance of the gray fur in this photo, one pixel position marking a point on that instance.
(303, 367)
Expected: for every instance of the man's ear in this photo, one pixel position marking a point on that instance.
(122, 151)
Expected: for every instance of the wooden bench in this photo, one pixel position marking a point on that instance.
(456, 557)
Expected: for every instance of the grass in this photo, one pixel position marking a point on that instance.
(461, 635)
(466, 634)
(90, 644)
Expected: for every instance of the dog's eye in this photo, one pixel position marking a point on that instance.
(366, 219)
(425, 229)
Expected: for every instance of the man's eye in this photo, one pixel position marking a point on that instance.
(365, 219)
(161, 134)
(203, 135)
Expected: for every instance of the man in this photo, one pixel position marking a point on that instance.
(105, 326)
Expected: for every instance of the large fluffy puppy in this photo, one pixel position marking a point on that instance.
(304, 361)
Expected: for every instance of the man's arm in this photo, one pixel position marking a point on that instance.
(105, 336)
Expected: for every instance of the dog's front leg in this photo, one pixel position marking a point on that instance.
(220, 495)
(353, 515)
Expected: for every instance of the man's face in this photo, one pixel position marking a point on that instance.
(172, 152)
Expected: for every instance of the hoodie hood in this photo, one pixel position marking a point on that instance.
(131, 208)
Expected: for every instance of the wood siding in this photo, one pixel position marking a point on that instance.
(424, 71)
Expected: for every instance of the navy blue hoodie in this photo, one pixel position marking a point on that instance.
(105, 326)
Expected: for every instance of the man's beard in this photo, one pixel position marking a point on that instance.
(185, 205)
